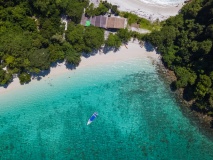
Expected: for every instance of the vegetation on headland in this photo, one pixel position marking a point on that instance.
(186, 44)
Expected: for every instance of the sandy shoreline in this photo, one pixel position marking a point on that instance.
(134, 51)
(146, 10)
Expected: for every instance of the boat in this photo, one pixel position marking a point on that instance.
(92, 118)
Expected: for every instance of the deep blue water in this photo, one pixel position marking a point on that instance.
(138, 117)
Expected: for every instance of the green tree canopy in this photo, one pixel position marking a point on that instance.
(93, 38)
(124, 35)
(24, 78)
(185, 42)
(113, 41)
(5, 77)
(185, 77)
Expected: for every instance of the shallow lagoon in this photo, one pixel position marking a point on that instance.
(138, 117)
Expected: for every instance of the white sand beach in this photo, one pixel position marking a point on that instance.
(147, 10)
(133, 51)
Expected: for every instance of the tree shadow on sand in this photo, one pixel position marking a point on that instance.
(107, 49)
(6, 85)
(87, 55)
(70, 66)
(40, 75)
(43, 73)
(149, 47)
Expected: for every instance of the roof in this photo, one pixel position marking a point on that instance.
(104, 22)
(101, 21)
(83, 20)
(114, 22)
(93, 19)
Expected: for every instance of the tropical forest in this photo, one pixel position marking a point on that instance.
(185, 42)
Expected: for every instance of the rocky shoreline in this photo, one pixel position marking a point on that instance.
(202, 121)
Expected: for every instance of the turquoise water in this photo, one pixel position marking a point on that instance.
(138, 117)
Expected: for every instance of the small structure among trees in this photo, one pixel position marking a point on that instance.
(105, 22)
(101, 16)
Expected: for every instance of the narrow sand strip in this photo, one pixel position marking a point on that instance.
(134, 51)
(146, 10)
